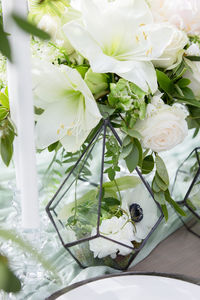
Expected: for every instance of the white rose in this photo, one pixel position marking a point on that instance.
(117, 229)
(194, 75)
(185, 14)
(164, 126)
(174, 50)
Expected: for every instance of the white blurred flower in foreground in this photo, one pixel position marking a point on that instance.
(70, 110)
(120, 37)
(117, 229)
(138, 202)
(164, 126)
(183, 13)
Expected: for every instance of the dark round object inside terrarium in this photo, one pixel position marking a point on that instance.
(136, 212)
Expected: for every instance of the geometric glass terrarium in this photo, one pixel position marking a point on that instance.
(101, 221)
(186, 189)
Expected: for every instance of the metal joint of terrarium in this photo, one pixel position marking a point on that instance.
(184, 202)
(104, 124)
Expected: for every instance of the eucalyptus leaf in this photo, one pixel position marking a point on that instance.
(174, 204)
(162, 170)
(127, 140)
(160, 197)
(155, 187)
(133, 133)
(123, 183)
(126, 151)
(147, 164)
(160, 183)
(132, 159)
(105, 110)
(165, 211)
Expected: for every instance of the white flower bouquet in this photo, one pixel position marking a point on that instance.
(136, 64)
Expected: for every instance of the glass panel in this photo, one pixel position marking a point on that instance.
(184, 177)
(127, 210)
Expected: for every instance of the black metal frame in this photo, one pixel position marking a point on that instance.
(105, 123)
(184, 201)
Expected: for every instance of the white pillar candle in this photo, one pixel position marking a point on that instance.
(22, 112)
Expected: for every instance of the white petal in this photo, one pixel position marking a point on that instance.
(49, 82)
(143, 75)
(54, 123)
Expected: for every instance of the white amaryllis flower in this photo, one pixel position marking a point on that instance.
(117, 229)
(185, 14)
(70, 110)
(164, 126)
(174, 51)
(140, 200)
(120, 37)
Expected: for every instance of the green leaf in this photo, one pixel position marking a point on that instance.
(147, 164)
(111, 174)
(183, 82)
(127, 140)
(161, 169)
(111, 201)
(53, 146)
(9, 283)
(188, 93)
(132, 159)
(160, 197)
(174, 204)
(82, 69)
(6, 149)
(126, 151)
(3, 113)
(165, 211)
(155, 187)
(160, 183)
(193, 58)
(5, 48)
(165, 82)
(4, 100)
(138, 145)
(122, 183)
(105, 110)
(191, 102)
(30, 28)
(190, 204)
(97, 83)
(133, 133)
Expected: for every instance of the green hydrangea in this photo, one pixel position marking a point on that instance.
(126, 96)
